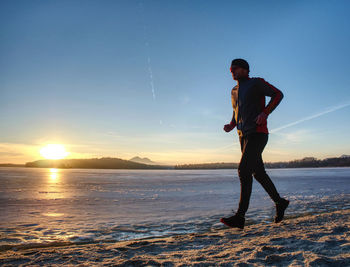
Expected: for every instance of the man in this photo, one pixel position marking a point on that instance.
(250, 116)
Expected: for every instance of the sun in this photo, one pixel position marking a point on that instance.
(54, 151)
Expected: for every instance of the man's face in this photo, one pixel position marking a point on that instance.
(238, 72)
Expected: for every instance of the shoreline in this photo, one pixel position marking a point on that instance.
(312, 240)
(177, 169)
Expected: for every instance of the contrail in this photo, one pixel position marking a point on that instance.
(149, 65)
(151, 76)
(329, 110)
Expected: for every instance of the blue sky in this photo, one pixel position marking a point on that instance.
(151, 78)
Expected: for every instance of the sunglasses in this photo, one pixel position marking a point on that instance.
(234, 68)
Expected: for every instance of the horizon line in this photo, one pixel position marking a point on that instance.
(159, 164)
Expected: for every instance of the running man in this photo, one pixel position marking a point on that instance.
(250, 116)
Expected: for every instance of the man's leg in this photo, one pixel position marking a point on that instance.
(238, 220)
(259, 170)
(245, 177)
(262, 177)
(250, 157)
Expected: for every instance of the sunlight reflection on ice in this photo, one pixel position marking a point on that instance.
(54, 175)
(53, 214)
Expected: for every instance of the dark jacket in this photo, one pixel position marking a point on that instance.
(248, 101)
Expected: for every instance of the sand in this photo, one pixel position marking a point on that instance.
(310, 240)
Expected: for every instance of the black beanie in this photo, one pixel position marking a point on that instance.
(240, 63)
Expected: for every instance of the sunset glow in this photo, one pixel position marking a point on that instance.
(53, 151)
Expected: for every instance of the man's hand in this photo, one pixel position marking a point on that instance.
(228, 128)
(261, 119)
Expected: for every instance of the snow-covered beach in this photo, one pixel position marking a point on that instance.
(311, 240)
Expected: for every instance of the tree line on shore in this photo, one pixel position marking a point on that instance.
(308, 162)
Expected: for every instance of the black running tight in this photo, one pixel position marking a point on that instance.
(251, 163)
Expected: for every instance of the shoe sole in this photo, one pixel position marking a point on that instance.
(223, 221)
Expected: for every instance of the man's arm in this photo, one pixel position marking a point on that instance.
(276, 97)
(229, 127)
(268, 89)
(233, 120)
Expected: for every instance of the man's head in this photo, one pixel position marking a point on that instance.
(239, 69)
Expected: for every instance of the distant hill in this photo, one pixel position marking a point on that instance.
(96, 163)
(142, 160)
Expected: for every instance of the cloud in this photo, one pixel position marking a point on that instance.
(112, 134)
(18, 153)
(10, 154)
(210, 114)
(296, 136)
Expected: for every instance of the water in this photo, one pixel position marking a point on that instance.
(44, 207)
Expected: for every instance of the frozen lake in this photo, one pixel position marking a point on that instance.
(68, 206)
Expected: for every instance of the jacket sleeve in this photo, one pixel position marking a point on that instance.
(268, 89)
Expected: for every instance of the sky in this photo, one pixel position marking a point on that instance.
(151, 78)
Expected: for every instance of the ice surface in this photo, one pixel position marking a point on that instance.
(49, 206)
